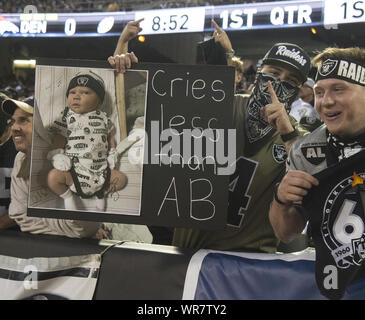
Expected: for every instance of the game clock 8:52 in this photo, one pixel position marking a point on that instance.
(171, 20)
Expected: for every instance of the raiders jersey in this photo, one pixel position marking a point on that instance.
(336, 212)
(259, 167)
(87, 146)
(309, 154)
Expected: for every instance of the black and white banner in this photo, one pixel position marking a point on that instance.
(140, 271)
(58, 278)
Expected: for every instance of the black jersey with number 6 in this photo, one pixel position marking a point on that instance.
(336, 212)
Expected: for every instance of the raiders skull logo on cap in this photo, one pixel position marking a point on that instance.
(82, 81)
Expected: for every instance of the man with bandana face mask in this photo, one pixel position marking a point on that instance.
(264, 133)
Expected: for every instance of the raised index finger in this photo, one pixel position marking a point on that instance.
(274, 98)
(138, 21)
(216, 26)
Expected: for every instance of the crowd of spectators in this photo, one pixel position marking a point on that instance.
(17, 6)
(17, 89)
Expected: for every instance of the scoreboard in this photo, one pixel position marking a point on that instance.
(240, 17)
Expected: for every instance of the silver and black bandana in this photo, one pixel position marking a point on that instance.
(343, 148)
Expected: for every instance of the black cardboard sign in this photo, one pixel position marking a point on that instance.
(188, 148)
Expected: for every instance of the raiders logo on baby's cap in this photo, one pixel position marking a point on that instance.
(90, 80)
(82, 81)
(292, 55)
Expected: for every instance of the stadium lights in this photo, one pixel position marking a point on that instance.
(141, 38)
(24, 64)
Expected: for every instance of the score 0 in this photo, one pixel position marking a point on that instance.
(70, 26)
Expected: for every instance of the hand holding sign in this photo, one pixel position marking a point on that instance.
(122, 62)
(275, 114)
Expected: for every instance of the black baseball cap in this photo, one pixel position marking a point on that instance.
(292, 55)
(90, 80)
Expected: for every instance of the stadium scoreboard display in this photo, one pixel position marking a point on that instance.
(172, 20)
(344, 11)
(265, 15)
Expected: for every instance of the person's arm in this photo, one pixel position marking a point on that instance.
(71, 228)
(122, 60)
(6, 135)
(18, 211)
(285, 219)
(112, 152)
(59, 141)
(221, 37)
(57, 155)
(6, 222)
(129, 32)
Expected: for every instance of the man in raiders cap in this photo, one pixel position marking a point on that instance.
(338, 221)
(264, 134)
(21, 113)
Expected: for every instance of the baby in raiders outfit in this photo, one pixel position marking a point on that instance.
(84, 154)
